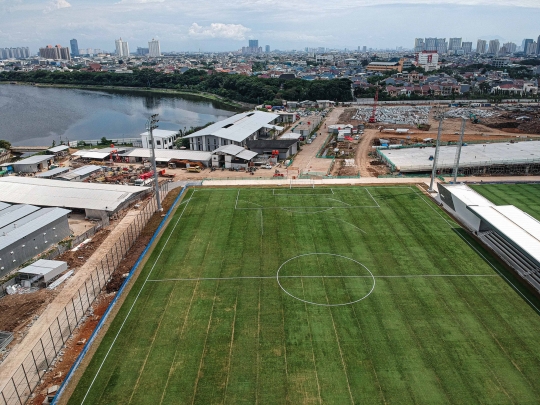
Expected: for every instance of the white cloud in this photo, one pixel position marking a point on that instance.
(139, 1)
(218, 30)
(56, 5)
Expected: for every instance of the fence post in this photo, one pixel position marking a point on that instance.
(60, 330)
(44, 354)
(26, 378)
(16, 390)
(67, 319)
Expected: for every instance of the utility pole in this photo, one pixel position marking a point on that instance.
(151, 124)
(439, 114)
(458, 151)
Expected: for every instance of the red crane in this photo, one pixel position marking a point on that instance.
(372, 119)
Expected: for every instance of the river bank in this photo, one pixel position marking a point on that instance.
(147, 90)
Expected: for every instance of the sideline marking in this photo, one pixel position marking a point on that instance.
(374, 200)
(134, 302)
(338, 201)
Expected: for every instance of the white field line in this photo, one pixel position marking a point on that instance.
(373, 198)
(249, 202)
(481, 255)
(237, 195)
(340, 276)
(134, 302)
(361, 230)
(262, 223)
(338, 201)
(292, 211)
(292, 208)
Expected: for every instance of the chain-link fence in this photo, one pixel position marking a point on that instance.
(50, 346)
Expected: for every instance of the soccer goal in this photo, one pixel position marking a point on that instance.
(302, 183)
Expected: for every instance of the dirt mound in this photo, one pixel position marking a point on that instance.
(16, 310)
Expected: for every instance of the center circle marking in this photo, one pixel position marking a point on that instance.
(318, 303)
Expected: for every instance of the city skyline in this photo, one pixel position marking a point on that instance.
(227, 26)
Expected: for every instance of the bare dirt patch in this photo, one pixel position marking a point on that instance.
(18, 309)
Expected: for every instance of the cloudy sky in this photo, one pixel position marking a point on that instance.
(222, 25)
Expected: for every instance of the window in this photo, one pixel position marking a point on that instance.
(158, 142)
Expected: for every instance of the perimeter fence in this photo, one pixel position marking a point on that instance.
(50, 346)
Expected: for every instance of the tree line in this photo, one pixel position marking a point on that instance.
(247, 89)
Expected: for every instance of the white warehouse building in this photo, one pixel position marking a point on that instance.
(235, 130)
(164, 139)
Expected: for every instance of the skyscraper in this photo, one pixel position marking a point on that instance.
(467, 47)
(481, 46)
(531, 49)
(525, 44)
(122, 48)
(431, 44)
(253, 43)
(538, 46)
(442, 45)
(74, 47)
(267, 48)
(510, 47)
(253, 47)
(55, 52)
(494, 47)
(454, 44)
(154, 50)
(419, 45)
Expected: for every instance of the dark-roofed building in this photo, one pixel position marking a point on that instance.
(286, 147)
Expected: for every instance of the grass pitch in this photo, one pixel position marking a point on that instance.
(524, 196)
(359, 295)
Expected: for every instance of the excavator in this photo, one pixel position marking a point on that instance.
(474, 118)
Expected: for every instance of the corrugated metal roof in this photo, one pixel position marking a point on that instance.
(15, 213)
(54, 193)
(81, 171)
(238, 127)
(95, 155)
(238, 151)
(161, 133)
(31, 227)
(57, 149)
(516, 225)
(247, 154)
(164, 155)
(3, 206)
(24, 220)
(52, 173)
(34, 159)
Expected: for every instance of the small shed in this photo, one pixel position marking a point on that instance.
(49, 174)
(33, 164)
(46, 269)
(79, 174)
(286, 147)
(60, 150)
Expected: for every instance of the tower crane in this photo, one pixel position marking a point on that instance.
(373, 119)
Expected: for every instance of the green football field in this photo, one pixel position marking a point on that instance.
(524, 196)
(358, 295)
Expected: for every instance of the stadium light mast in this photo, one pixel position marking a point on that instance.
(458, 151)
(439, 114)
(151, 124)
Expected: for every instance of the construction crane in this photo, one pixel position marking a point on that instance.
(372, 119)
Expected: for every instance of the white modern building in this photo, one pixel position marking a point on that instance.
(154, 50)
(235, 130)
(428, 60)
(122, 48)
(164, 139)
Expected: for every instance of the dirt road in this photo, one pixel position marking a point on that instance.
(364, 147)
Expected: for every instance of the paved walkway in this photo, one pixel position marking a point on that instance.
(53, 310)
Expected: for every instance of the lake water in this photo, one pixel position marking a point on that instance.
(34, 116)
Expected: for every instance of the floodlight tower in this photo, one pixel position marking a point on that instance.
(439, 115)
(458, 151)
(151, 124)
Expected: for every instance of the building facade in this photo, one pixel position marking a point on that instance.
(454, 44)
(56, 52)
(74, 47)
(481, 46)
(494, 47)
(122, 48)
(154, 49)
(467, 47)
(14, 53)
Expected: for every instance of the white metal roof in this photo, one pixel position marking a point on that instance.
(81, 171)
(468, 195)
(238, 127)
(54, 193)
(4, 206)
(417, 159)
(95, 155)
(14, 213)
(34, 159)
(52, 172)
(32, 226)
(290, 135)
(161, 133)
(46, 268)
(237, 151)
(57, 149)
(276, 127)
(514, 224)
(164, 155)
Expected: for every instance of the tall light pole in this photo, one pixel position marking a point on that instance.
(151, 124)
(439, 114)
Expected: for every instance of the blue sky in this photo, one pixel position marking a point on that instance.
(217, 25)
